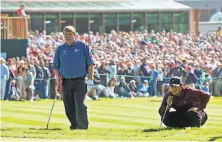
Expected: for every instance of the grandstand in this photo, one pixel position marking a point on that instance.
(103, 16)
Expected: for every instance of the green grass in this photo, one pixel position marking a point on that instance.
(110, 119)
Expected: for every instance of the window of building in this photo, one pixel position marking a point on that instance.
(166, 21)
(138, 21)
(67, 19)
(37, 21)
(52, 24)
(82, 23)
(8, 14)
(181, 22)
(110, 22)
(153, 21)
(125, 22)
(96, 22)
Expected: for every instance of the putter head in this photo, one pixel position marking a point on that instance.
(151, 130)
(159, 128)
(165, 128)
(169, 128)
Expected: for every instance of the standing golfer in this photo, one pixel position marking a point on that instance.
(189, 105)
(73, 62)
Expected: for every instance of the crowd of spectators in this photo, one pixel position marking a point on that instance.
(134, 64)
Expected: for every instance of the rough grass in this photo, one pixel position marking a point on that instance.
(110, 119)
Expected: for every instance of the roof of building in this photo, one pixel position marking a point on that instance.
(202, 4)
(93, 5)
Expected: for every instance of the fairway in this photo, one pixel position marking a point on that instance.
(109, 119)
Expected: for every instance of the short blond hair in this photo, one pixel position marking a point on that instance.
(69, 29)
(2, 60)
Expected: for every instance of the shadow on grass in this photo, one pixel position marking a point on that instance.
(5, 129)
(17, 100)
(155, 100)
(155, 130)
(50, 129)
(215, 138)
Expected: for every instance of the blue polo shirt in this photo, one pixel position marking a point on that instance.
(72, 62)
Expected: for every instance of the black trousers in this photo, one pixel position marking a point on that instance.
(73, 98)
(178, 119)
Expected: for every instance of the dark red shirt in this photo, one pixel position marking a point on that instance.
(189, 98)
(19, 12)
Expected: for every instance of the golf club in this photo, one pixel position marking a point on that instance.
(51, 112)
(163, 117)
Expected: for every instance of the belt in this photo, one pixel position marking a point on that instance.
(72, 79)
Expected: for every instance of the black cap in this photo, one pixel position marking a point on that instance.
(175, 81)
(143, 42)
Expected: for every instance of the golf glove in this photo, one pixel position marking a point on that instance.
(90, 85)
(194, 109)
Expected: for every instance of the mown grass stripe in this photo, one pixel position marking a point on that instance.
(99, 104)
(39, 116)
(131, 111)
(34, 112)
(94, 114)
(104, 119)
(29, 122)
(61, 113)
(90, 110)
(8, 124)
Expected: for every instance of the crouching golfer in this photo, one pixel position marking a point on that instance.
(73, 61)
(189, 105)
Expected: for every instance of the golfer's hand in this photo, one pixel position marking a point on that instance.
(90, 84)
(194, 109)
(59, 85)
(57, 81)
(169, 101)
